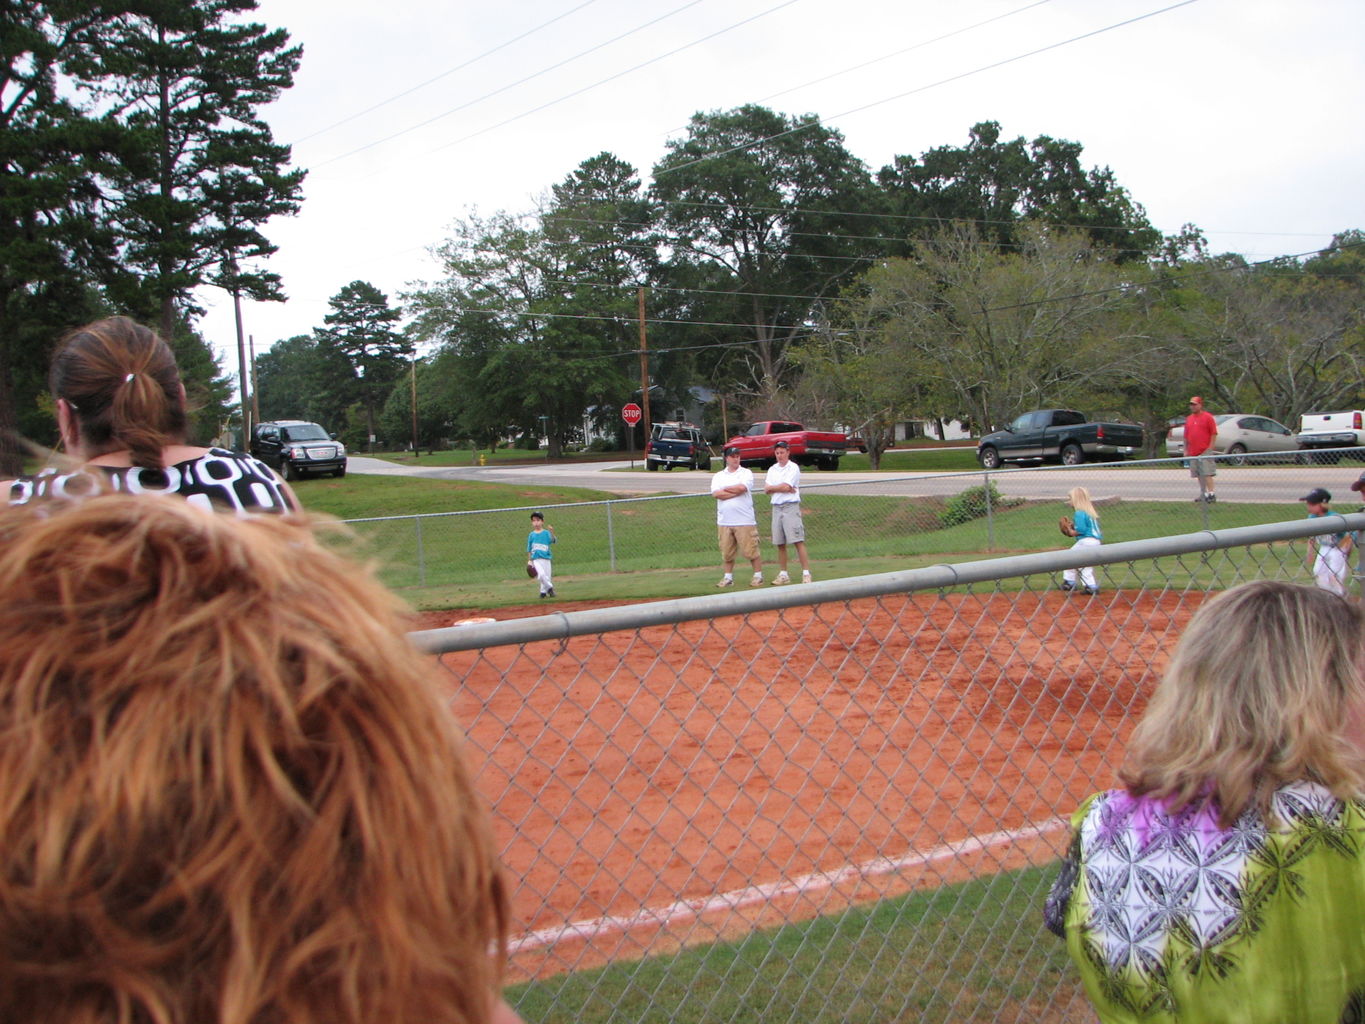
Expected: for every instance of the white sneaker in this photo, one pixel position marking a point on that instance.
(725, 582)
(757, 581)
(781, 578)
(805, 576)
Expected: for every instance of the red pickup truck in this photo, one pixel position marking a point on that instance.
(819, 448)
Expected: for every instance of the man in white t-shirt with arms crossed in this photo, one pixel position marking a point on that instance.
(783, 482)
(736, 528)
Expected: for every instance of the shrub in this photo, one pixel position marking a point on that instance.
(971, 504)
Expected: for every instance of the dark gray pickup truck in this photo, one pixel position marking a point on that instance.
(1057, 435)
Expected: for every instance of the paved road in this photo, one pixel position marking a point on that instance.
(1250, 483)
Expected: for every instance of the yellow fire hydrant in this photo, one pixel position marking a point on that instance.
(483, 459)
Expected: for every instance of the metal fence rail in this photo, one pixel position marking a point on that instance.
(836, 802)
(924, 517)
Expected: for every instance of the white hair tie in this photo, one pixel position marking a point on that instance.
(129, 379)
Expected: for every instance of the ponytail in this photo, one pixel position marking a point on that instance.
(123, 385)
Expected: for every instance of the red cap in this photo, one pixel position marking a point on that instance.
(1196, 400)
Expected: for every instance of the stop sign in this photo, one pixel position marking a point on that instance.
(631, 413)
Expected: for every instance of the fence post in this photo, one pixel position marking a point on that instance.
(421, 555)
(611, 540)
(990, 514)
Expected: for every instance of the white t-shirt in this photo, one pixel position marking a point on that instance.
(735, 511)
(791, 474)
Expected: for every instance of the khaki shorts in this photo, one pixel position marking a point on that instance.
(1203, 466)
(788, 527)
(743, 539)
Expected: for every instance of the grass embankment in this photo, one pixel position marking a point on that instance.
(462, 544)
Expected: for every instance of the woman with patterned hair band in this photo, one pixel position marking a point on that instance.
(122, 418)
(1226, 880)
(230, 788)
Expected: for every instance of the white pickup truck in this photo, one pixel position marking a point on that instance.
(1319, 430)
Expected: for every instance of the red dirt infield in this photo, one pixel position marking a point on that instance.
(683, 783)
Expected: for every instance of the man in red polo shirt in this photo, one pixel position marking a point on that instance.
(1201, 430)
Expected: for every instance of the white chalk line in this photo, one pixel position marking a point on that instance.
(749, 895)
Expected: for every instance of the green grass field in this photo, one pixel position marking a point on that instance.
(455, 544)
(866, 963)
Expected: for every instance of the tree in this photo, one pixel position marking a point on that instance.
(208, 391)
(1282, 338)
(54, 239)
(998, 185)
(305, 378)
(537, 313)
(133, 168)
(435, 399)
(859, 368)
(360, 326)
(203, 172)
(997, 333)
(761, 213)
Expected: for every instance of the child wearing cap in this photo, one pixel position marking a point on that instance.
(538, 543)
(1326, 552)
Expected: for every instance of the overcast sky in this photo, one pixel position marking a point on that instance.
(1240, 116)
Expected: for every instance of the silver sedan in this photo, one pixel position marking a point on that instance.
(1239, 434)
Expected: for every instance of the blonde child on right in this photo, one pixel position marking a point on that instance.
(1087, 523)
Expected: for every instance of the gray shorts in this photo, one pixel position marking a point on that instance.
(788, 527)
(1203, 466)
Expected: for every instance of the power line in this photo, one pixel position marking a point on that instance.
(619, 74)
(923, 88)
(512, 85)
(444, 74)
(902, 52)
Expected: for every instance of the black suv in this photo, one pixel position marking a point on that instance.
(296, 448)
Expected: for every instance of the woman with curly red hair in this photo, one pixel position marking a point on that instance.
(229, 788)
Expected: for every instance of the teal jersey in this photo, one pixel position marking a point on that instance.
(538, 543)
(1086, 525)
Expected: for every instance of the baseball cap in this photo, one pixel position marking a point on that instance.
(732, 450)
(1196, 400)
(782, 444)
(1318, 496)
(1359, 485)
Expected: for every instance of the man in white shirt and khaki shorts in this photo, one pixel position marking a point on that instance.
(736, 528)
(783, 482)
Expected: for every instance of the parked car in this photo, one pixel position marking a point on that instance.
(819, 448)
(296, 448)
(1057, 435)
(1319, 430)
(677, 444)
(1239, 434)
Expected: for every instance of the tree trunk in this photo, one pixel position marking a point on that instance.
(11, 459)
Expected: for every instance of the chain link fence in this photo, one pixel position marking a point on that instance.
(840, 802)
(853, 528)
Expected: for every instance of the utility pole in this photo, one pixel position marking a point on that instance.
(416, 451)
(255, 392)
(644, 365)
(243, 382)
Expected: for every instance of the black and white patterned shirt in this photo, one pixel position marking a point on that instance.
(217, 480)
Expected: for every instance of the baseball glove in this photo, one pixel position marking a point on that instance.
(1066, 526)
(531, 570)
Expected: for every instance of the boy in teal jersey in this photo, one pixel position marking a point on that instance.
(538, 543)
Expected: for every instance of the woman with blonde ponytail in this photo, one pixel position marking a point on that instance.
(122, 418)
